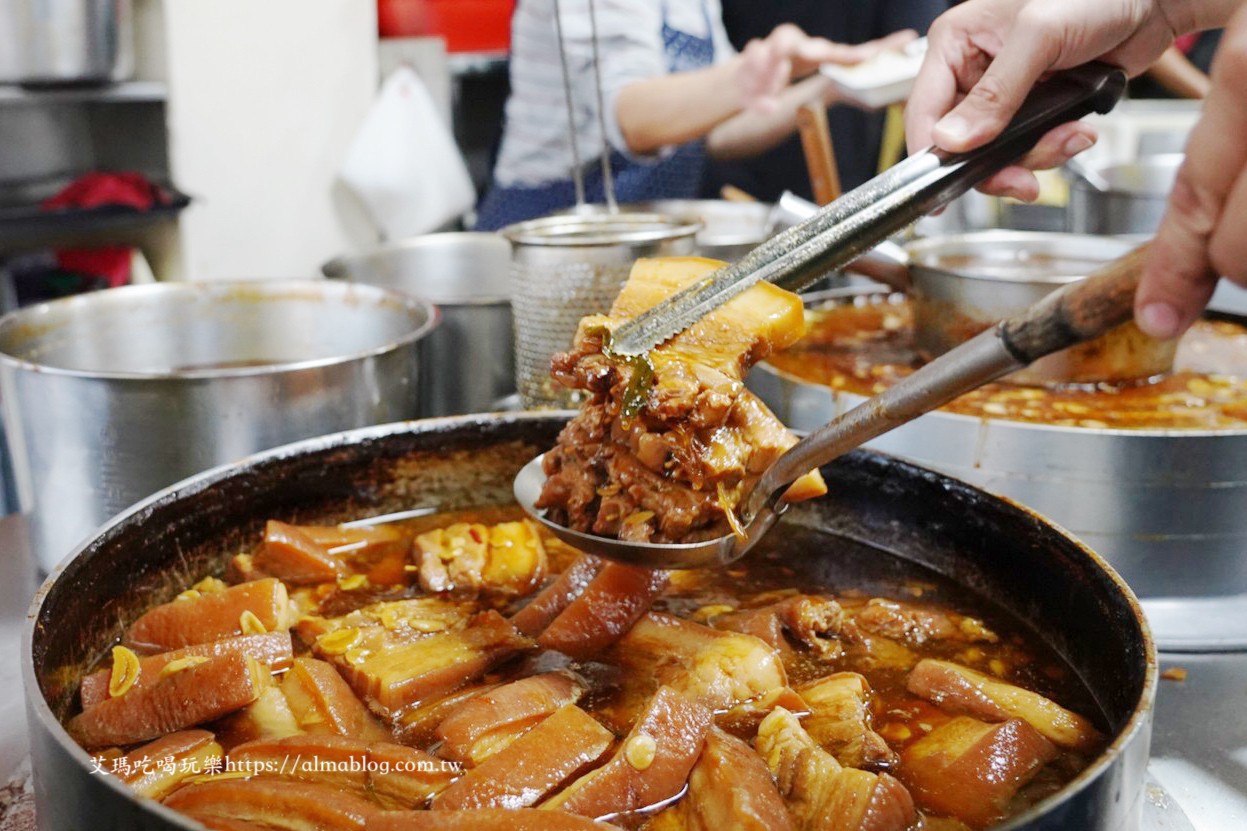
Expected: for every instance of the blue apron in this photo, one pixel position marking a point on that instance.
(677, 175)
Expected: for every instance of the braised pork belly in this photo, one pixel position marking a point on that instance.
(463, 672)
(665, 448)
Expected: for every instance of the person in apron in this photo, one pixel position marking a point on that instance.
(533, 148)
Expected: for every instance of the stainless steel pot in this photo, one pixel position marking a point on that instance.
(964, 283)
(564, 267)
(729, 230)
(472, 352)
(1164, 507)
(66, 41)
(884, 522)
(112, 395)
(1122, 198)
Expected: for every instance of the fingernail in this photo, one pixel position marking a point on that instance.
(1159, 320)
(1076, 144)
(953, 127)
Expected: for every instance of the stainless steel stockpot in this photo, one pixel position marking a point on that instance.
(113, 395)
(1164, 507)
(961, 284)
(1125, 198)
(472, 352)
(883, 523)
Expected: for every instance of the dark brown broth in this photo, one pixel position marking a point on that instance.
(851, 571)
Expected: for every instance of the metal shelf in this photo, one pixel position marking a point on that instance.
(136, 92)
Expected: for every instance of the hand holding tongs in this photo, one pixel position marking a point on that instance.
(867, 215)
(834, 236)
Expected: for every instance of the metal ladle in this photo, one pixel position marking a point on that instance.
(1075, 313)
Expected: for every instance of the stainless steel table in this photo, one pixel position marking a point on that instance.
(1197, 777)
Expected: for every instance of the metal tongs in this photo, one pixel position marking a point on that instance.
(836, 235)
(856, 222)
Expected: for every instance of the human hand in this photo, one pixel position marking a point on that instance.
(769, 64)
(984, 56)
(1204, 232)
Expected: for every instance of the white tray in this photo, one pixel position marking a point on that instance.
(885, 79)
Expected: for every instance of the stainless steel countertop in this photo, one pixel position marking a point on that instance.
(1197, 778)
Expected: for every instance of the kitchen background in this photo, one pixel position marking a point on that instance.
(243, 112)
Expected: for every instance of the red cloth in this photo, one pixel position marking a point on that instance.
(98, 190)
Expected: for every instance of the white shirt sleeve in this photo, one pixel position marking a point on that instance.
(630, 48)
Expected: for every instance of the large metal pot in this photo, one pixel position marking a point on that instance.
(883, 523)
(66, 41)
(465, 274)
(1164, 507)
(965, 283)
(1122, 198)
(729, 229)
(112, 395)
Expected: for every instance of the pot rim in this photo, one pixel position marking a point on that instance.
(36, 316)
(852, 399)
(339, 268)
(1159, 162)
(1138, 721)
(1106, 249)
(599, 230)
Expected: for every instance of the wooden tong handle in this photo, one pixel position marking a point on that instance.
(1077, 312)
(820, 155)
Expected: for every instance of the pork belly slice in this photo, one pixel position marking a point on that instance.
(651, 765)
(225, 824)
(485, 819)
(839, 720)
(395, 675)
(808, 620)
(275, 803)
(397, 776)
(268, 717)
(506, 559)
(383, 624)
(821, 794)
(665, 452)
(314, 554)
(970, 769)
(743, 719)
(604, 611)
(389, 620)
(717, 669)
(554, 598)
(158, 767)
(534, 765)
(291, 555)
(961, 689)
(323, 703)
(731, 787)
(417, 725)
(272, 649)
(490, 721)
(211, 616)
(186, 698)
(917, 624)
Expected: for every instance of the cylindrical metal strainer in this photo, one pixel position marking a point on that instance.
(566, 267)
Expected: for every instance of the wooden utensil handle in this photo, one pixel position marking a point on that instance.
(731, 193)
(1077, 312)
(820, 158)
